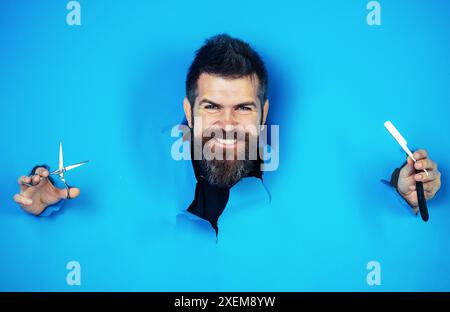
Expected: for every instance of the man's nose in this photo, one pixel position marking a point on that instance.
(228, 121)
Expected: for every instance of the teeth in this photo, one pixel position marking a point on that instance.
(226, 141)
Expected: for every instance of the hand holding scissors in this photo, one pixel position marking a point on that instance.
(37, 191)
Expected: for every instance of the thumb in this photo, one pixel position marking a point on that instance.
(74, 193)
(408, 169)
(409, 161)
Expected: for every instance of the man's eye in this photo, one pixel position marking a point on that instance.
(211, 107)
(244, 108)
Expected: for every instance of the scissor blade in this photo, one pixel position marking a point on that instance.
(76, 165)
(55, 172)
(61, 161)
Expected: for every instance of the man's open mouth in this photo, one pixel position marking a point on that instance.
(225, 143)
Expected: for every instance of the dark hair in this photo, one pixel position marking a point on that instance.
(226, 57)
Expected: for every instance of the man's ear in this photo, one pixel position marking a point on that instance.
(265, 111)
(187, 111)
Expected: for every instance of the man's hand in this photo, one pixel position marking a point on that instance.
(407, 178)
(37, 192)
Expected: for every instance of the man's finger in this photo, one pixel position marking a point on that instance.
(426, 163)
(420, 154)
(423, 177)
(409, 161)
(23, 181)
(36, 179)
(42, 171)
(430, 194)
(408, 169)
(22, 200)
(429, 187)
(74, 193)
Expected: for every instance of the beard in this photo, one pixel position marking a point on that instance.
(224, 171)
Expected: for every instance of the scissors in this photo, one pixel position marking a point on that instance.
(62, 170)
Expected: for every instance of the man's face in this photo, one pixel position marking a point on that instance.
(227, 114)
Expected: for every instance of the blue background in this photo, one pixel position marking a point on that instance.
(108, 87)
